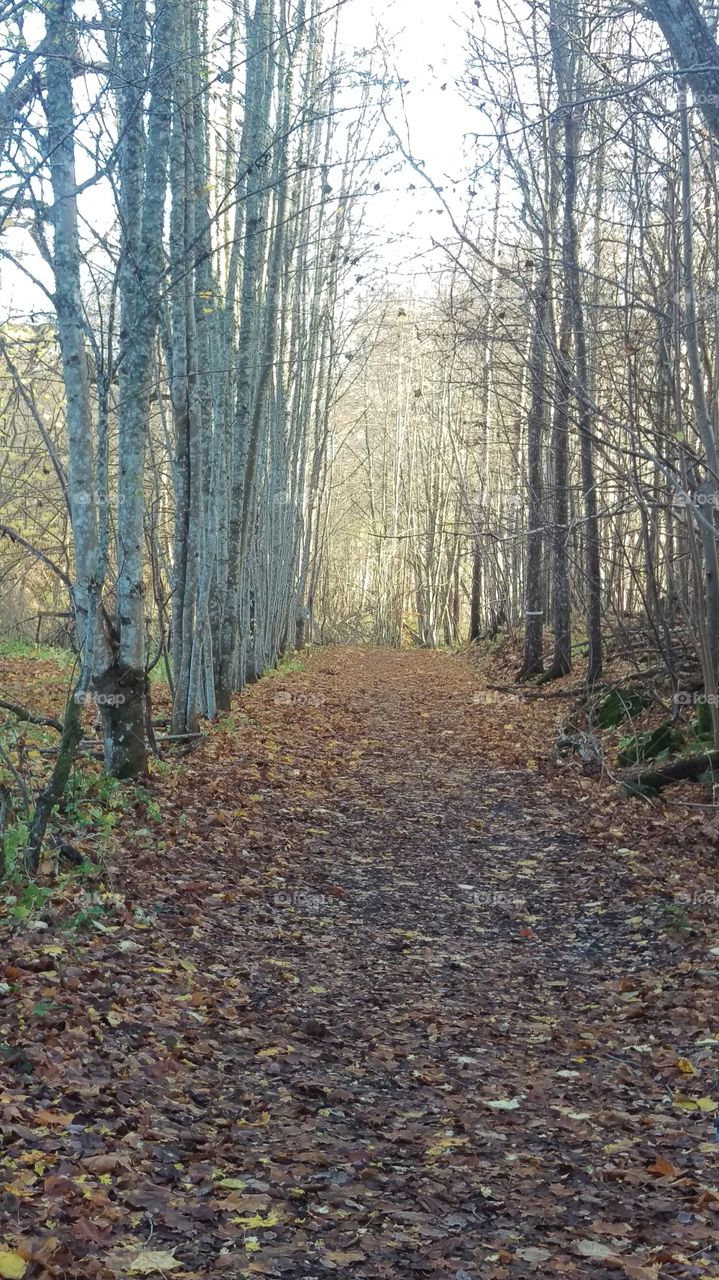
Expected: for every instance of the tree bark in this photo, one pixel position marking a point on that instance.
(143, 170)
(695, 52)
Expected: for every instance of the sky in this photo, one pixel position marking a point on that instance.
(424, 46)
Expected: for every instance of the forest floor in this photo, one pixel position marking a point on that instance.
(369, 988)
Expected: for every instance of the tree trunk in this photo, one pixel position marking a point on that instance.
(532, 658)
(690, 40)
(82, 473)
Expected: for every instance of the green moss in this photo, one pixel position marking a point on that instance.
(661, 741)
(620, 705)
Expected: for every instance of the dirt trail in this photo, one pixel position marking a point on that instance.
(417, 1012)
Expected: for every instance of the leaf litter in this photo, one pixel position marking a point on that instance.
(369, 999)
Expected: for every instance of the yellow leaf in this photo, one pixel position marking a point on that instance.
(12, 1265)
(252, 1244)
(257, 1220)
(695, 1104)
(233, 1184)
(443, 1145)
(148, 1261)
(263, 1118)
(683, 1064)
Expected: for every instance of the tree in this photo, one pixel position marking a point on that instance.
(695, 51)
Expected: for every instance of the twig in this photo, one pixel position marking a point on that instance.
(28, 717)
(6, 532)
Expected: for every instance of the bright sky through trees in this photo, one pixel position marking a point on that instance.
(423, 48)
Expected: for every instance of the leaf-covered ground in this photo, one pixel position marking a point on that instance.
(370, 991)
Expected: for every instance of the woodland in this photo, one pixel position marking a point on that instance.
(359, 639)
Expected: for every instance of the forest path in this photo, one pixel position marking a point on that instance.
(374, 1007)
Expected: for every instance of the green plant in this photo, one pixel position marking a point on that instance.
(85, 918)
(148, 804)
(94, 800)
(673, 916)
(28, 902)
(64, 658)
(42, 1008)
(284, 667)
(14, 838)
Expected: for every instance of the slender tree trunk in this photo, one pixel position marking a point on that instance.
(706, 504)
(143, 173)
(82, 472)
(532, 658)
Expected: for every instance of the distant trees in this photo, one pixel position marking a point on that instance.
(577, 333)
(403, 482)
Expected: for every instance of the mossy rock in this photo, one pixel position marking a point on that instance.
(648, 746)
(620, 705)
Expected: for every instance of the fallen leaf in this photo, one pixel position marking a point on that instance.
(534, 1255)
(58, 1119)
(257, 1220)
(12, 1265)
(151, 1260)
(143, 1262)
(106, 1163)
(593, 1249)
(694, 1104)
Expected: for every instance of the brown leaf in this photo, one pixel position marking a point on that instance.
(106, 1163)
